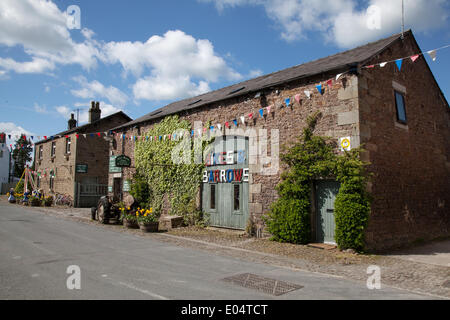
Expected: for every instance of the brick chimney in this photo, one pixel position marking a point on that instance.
(94, 112)
(72, 122)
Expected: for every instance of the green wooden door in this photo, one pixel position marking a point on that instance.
(326, 192)
(225, 189)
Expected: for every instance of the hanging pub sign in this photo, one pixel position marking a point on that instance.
(123, 161)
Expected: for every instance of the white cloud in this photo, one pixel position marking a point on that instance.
(160, 88)
(344, 22)
(37, 65)
(179, 65)
(107, 109)
(47, 89)
(40, 109)
(10, 128)
(95, 90)
(40, 28)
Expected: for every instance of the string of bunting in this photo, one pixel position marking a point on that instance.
(413, 58)
(241, 119)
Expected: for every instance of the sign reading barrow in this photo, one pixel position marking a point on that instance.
(123, 161)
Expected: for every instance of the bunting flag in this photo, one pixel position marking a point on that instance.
(383, 64)
(250, 116)
(235, 122)
(297, 98)
(261, 112)
(269, 108)
(243, 120)
(432, 54)
(330, 83)
(308, 93)
(319, 88)
(338, 76)
(220, 127)
(227, 125)
(288, 102)
(414, 58)
(399, 64)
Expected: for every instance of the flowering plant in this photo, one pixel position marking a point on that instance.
(146, 215)
(128, 214)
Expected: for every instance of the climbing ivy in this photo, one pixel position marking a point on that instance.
(153, 161)
(310, 158)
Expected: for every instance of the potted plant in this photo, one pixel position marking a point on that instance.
(148, 220)
(48, 201)
(129, 218)
(34, 201)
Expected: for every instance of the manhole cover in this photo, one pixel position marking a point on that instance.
(266, 285)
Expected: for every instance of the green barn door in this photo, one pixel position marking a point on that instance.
(226, 199)
(326, 192)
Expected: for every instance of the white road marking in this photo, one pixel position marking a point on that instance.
(151, 294)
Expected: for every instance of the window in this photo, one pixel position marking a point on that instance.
(237, 196)
(40, 152)
(68, 141)
(52, 181)
(38, 182)
(400, 105)
(53, 150)
(213, 197)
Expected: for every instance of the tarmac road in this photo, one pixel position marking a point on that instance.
(36, 251)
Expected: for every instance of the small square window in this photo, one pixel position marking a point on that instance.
(53, 149)
(400, 106)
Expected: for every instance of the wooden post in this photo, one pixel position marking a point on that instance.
(25, 187)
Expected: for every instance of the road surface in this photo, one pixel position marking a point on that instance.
(37, 249)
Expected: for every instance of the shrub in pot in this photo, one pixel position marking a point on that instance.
(148, 220)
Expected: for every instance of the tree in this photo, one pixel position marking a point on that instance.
(21, 155)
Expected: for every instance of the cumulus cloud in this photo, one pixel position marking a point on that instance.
(40, 28)
(107, 109)
(96, 90)
(344, 22)
(10, 128)
(40, 109)
(178, 65)
(36, 65)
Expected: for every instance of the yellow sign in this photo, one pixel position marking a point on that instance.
(346, 144)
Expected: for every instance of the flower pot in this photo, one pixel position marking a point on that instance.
(149, 226)
(130, 224)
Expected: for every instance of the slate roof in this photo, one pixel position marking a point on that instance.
(85, 128)
(337, 63)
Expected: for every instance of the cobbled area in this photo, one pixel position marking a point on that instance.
(414, 276)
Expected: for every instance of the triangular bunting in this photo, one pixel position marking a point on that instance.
(414, 58)
(432, 54)
(399, 64)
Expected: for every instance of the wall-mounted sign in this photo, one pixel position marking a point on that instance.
(226, 176)
(112, 165)
(110, 189)
(345, 144)
(81, 168)
(123, 161)
(126, 186)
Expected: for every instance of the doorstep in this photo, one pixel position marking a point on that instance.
(324, 246)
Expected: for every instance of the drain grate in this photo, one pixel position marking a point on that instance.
(266, 285)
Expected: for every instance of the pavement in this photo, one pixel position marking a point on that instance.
(435, 253)
(36, 251)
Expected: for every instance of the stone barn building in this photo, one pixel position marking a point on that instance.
(75, 162)
(398, 113)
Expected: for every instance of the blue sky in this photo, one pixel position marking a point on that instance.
(138, 55)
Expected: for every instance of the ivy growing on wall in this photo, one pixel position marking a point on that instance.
(311, 158)
(153, 160)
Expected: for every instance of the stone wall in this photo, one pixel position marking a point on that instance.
(339, 107)
(410, 163)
